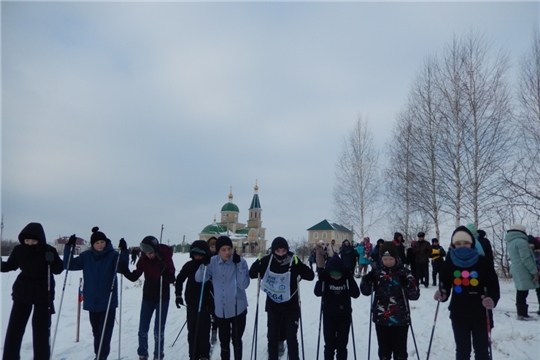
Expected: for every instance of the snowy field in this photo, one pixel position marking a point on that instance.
(512, 339)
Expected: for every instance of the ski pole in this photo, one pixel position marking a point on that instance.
(256, 325)
(488, 325)
(177, 336)
(300, 318)
(120, 318)
(198, 315)
(434, 323)
(236, 344)
(61, 299)
(320, 321)
(108, 307)
(370, 320)
(352, 327)
(49, 258)
(410, 322)
(160, 331)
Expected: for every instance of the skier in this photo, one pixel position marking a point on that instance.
(99, 266)
(336, 285)
(229, 273)
(38, 262)
(158, 268)
(199, 305)
(474, 287)
(393, 287)
(280, 272)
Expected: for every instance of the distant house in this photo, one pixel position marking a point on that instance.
(328, 231)
(80, 246)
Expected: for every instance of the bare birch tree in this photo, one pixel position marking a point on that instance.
(357, 189)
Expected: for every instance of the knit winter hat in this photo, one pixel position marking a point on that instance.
(199, 247)
(518, 227)
(280, 243)
(223, 241)
(434, 240)
(462, 233)
(97, 235)
(334, 266)
(388, 249)
(472, 228)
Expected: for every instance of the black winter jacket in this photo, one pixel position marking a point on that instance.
(31, 284)
(193, 288)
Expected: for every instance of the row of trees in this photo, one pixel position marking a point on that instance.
(465, 148)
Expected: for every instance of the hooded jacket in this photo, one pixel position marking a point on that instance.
(398, 241)
(193, 288)
(98, 269)
(31, 284)
(336, 294)
(523, 264)
(152, 270)
(348, 255)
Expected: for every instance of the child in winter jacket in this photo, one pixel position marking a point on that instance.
(393, 286)
(437, 260)
(474, 286)
(99, 265)
(199, 306)
(363, 250)
(336, 286)
(158, 268)
(279, 273)
(230, 278)
(38, 262)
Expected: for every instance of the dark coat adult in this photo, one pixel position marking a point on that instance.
(348, 255)
(422, 251)
(98, 269)
(31, 284)
(398, 241)
(153, 270)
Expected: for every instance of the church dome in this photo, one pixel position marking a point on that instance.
(230, 207)
(214, 229)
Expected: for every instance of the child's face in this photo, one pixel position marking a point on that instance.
(388, 261)
(99, 245)
(31, 242)
(150, 255)
(280, 252)
(462, 243)
(225, 252)
(213, 249)
(197, 257)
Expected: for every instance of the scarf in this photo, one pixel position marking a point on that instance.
(464, 257)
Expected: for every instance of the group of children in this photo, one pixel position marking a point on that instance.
(215, 295)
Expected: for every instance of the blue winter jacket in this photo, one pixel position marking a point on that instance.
(98, 273)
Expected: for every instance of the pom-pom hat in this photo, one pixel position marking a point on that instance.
(97, 235)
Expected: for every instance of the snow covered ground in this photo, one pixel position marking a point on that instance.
(511, 338)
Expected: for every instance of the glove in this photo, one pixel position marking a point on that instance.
(206, 260)
(370, 278)
(122, 267)
(179, 302)
(235, 258)
(122, 244)
(488, 302)
(49, 257)
(72, 241)
(404, 281)
(440, 295)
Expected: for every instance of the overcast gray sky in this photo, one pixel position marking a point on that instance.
(132, 115)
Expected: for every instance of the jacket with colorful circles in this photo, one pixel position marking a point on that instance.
(393, 288)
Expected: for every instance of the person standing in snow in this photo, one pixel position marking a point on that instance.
(230, 278)
(38, 262)
(474, 287)
(393, 286)
(374, 254)
(348, 255)
(437, 260)
(320, 256)
(422, 253)
(198, 321)
(280, 272)
(398, 241)
(336, 286)
(99, 267)
(332, 249)
(363, 257)
(522, 267)
(158, 268)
